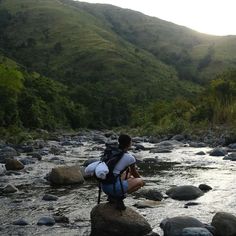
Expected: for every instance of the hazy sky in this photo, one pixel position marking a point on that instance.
(216, 17)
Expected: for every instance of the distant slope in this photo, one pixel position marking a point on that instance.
(68, 43)
(196, 56)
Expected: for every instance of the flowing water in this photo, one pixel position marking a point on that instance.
(180, 167)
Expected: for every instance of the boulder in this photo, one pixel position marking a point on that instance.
(185, 192)
(9, 189)
(12, 164)
(152, 160)
(150, 194)
(20, 222)
(7, 153)
(232, 146)
(50, 197)
(66, 175)
(107, 221)
(147, 204)
(2, 169)
(46, 220)
(231, 157)
(224, 223)
(197, 144)
(217, 152)
(205, 187)
(201, 153)
(196, 231)
(174, 226)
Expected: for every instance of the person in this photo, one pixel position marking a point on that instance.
(128, 178)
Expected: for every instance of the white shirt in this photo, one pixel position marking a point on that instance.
(126, 160)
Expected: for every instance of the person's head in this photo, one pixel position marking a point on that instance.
(124, 141)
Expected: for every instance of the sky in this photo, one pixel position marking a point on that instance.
(215, 17)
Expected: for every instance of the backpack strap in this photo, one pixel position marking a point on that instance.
(99, 192)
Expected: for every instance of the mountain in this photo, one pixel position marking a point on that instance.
(110, 62)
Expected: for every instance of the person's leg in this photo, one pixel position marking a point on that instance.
(134, 184)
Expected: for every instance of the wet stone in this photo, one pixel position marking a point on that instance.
(50, 197)
(9, 189)
(61, 219)
(21, 222)
(46, 220)
(205, 187)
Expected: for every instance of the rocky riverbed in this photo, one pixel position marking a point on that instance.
(27, 199)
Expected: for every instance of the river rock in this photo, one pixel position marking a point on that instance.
(36, 155)
(9, 189)
(217, 152)
(21, 222)
(174, 226)
(7, 153)
(66, 175)
(55, 150)
(2, 169)
(201, 153)
(231, 157)
(196, 231)
(106, 220)
(61, 219)
(46, 220)
(232, 146)
(12, 164)
(150, 194)
(205, 187)
(224, 223)
(27, 161)
(197, 144)
(150, 160)
(50, 197)
(147, 204)
(161, 150)
(178, 137)
(185, 192)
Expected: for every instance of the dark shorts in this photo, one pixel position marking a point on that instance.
(109, 188)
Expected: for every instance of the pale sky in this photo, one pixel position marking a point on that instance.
(217, 17)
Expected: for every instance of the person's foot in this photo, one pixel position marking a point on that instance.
(120, 205)
(111, 199)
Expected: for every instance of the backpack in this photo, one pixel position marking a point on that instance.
(112, 155)
(102, 170)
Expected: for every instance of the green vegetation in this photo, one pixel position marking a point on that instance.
(76, 64)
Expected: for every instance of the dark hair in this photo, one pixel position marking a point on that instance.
(124, 141)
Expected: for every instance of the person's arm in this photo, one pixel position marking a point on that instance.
(134, 171)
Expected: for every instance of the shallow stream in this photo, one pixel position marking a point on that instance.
(180, 167)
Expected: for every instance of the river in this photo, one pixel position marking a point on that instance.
(180, 167)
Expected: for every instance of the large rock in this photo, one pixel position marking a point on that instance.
(12, 164)
(225, 224)
(107, 221)
(174, 226)
(217, 152)
(66, 175)
(185, 192)
(196, 231)
(150, 194)
(7, 153)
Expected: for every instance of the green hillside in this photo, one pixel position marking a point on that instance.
(103, 66)
(198, 57)
(30, 100)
